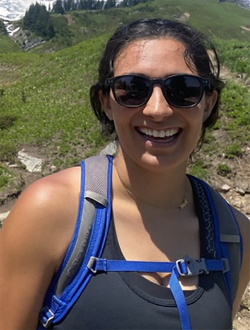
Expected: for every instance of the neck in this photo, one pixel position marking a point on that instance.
(168, 189)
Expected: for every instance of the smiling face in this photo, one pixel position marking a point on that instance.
(156, 135)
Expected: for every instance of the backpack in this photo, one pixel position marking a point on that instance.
(83, 257)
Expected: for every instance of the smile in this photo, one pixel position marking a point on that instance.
(166, 133)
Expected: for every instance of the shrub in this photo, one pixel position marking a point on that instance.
(233, 150)
(223, 169)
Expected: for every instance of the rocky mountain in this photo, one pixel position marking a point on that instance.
(242, 3)
(12, 10)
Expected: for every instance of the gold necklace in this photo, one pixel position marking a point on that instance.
(181, 206)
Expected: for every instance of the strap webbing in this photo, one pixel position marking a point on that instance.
(179, 268)
(227, 237)
(180, 300)
(183, 268)
(88, 239)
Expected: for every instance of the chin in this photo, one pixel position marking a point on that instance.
(162, 163)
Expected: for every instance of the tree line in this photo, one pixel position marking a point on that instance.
(40, 21)
(60, 6)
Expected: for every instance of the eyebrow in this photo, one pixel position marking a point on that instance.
(148, 77)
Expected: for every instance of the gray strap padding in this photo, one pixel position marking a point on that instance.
(96, 175)
(98, 198)
(230, 238)
(96, 169)
(229, 233)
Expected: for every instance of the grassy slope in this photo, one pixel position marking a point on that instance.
(7, 45)
(44, 98)
(48, 98)
(222, 20)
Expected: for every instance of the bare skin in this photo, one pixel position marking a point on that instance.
(41, 224)
(39, 228)
(48, 220)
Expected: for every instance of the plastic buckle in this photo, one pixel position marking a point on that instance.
(226, 265)
(178, 264)
(49, 320)
(194, 266)
(91, 263)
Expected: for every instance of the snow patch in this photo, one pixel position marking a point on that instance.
(13, 10)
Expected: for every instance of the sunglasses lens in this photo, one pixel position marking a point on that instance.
(131, 91)
(183, 91)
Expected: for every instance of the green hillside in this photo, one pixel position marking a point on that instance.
(44, 97)
(44, 101)
(7, 45)
(223, 20)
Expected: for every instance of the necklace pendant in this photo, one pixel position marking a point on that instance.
(183, 204)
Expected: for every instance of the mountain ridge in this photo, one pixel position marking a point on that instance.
(13, 10)
(215, 19)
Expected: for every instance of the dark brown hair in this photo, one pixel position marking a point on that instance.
(200, 54)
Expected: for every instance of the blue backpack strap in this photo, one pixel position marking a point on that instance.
(224, 234)
(228, 240)
(182, 267)
(88, 240)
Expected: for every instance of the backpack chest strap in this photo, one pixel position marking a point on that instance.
(183, 267)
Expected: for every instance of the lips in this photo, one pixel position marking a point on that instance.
(160, 134)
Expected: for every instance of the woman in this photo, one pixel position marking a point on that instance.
(159, 90)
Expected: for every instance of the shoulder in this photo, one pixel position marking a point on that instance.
(244, 229)
(50, 193)
(47, 208)
(243, 221)
(244, 226)
(34, 240)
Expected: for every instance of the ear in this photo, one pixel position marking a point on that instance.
(105, 102)
(210, 102)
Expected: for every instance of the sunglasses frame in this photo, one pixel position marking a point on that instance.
(204, 84)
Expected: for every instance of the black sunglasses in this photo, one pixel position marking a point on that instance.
(180, 90)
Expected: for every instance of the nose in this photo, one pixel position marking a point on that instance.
(157, 106)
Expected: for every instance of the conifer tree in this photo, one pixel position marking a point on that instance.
(68, 5)
(99, 5)
(37, 19)
(2, 28)
(58, 7)
(110, 4)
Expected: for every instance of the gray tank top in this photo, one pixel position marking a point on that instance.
(127, 301)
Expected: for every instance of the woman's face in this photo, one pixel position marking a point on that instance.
(156, 134)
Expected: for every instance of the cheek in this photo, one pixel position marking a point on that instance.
(194, 121)
(122, 116)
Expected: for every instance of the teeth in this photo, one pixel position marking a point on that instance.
(155, 133)
(161, 134)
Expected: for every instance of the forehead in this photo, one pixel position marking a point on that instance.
(155, 57)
